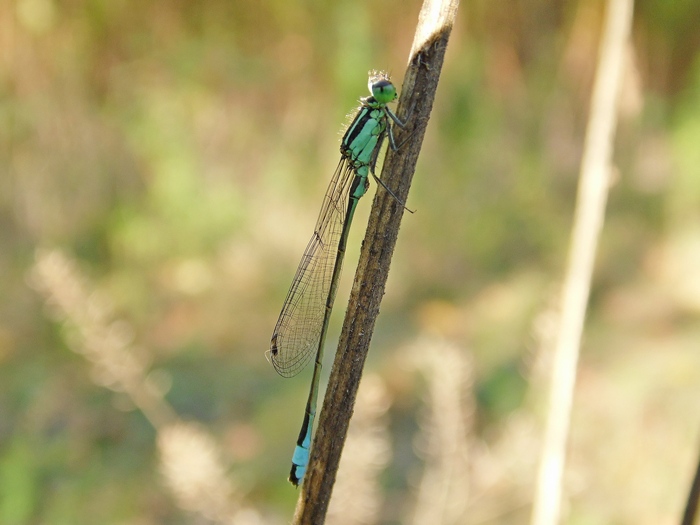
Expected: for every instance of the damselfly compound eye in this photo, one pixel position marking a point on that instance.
(383, 91)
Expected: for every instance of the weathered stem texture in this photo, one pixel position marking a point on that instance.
(588, 222)
(417, 95)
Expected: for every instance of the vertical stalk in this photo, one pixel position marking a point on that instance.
(588, 222)
(418, 93)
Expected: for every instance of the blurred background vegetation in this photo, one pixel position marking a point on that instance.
(162, 167)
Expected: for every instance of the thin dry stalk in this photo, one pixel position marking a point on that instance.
(588, 222)
(691, 505)
(417, 92)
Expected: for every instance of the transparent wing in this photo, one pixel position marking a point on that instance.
(298, 330)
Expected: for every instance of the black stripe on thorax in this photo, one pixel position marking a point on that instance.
(355, 128)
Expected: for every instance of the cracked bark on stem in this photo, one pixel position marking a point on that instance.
(418, 92)
(588, 222)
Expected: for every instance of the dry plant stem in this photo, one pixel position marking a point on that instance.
(691, 506)
(418, 92)
(588, 221)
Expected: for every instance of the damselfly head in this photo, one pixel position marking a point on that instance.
(381, 87)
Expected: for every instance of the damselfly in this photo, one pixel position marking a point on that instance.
(301, 328)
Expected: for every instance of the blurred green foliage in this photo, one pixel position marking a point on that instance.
(179, 151)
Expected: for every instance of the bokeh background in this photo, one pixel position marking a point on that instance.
(162, 167)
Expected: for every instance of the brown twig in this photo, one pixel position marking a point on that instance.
(691, 506)
(417, 95)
